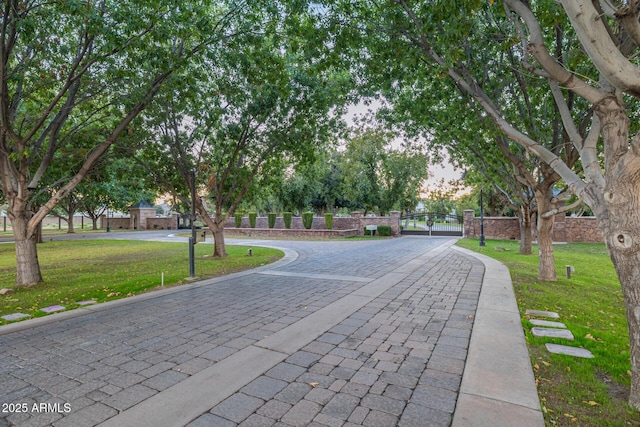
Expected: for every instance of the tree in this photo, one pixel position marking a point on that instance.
(511, 192)
(234, 119)
(360, 165)
(299, 188)
(463, 128)
(65, 65)
(402, 177)
(313, 185)
(439, 198)
(376, 176)
(116, 184)
(600, 69)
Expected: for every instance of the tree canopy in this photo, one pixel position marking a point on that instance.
(582, 54)
(75, 75)
(244, 89)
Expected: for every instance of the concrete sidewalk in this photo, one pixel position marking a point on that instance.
(409, 332)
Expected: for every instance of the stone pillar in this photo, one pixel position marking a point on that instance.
(139, 216)
(395, 223)
(357, 222)
(469, 226)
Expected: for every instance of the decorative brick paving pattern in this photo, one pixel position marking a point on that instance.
(396, 361)
(366, 370)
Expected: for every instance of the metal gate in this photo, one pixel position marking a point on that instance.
(431, 224)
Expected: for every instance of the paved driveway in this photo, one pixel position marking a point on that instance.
(339, 333)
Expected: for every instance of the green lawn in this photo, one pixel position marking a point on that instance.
(574, 391)
(111, 269)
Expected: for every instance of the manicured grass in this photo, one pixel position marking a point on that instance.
(111, 269)
(574, 391)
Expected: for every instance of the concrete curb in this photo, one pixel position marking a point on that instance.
(289, 256)
(498, 387)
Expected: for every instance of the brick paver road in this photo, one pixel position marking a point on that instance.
(370, 333)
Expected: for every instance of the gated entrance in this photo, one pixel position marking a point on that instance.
(431, 224)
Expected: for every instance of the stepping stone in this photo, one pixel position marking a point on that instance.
(552, 333)
(550, 314)
(570, 351)
(15, 316)
(53, 308)
(548, 324)
(86, 302)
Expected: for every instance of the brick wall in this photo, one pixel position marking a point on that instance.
(583, 229)
(566, 228)
(119, 223)
(281, 232)
(163, 223)
(354, 222)
(151, 223)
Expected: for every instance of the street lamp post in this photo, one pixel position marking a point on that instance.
(192, 239)
(481, 221)
(108, 223)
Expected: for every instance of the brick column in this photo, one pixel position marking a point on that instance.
(357, 222)
(395, 223)
(469, 226)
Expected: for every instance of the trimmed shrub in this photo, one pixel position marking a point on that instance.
(286, 217)
(384, 230)
(237, 219)
(271, 217)
(307, 220)
(328, 220)
(252, 219)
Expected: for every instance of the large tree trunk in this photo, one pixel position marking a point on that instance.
(524, 219)
(622, 236)
(625, 255)
(70, 225)
(216, 225)
(618, 214)
(546, 262)
(27, 265)
(39, 233)
(219, 247)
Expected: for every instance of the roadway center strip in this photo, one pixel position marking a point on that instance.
(182, 403)
(318, 276)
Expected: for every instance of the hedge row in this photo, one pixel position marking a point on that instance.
(307, 221)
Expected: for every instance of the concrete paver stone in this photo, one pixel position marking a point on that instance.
(570, 351)
(552, 333)
(547, 323)
(15, 316)
(550, 314)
